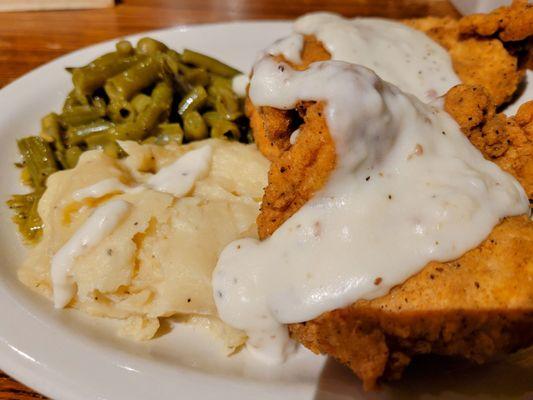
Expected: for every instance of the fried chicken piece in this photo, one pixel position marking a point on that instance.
(477, 307)
(480, 58)
(272, 127)
(477, 60)
(299, 171)
(506, 141)
(509, 23)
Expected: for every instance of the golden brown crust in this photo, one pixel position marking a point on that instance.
(297, 173)
(509, 23)
(272, 127)
(476, 307)
(478, 59)
(506, 141)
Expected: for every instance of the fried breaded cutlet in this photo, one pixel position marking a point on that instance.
(489, 50)
(477, 307)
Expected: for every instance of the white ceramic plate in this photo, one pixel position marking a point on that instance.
(66, 355)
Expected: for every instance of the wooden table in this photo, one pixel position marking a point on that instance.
(29, 39)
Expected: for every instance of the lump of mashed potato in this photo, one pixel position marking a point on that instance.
(158, 261)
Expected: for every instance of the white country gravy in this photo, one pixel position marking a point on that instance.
(409, 188)
(397, 53)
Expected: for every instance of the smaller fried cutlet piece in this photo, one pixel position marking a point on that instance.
(477, 60)
(509, 23)
(272, 127)
(506, 141)
(299, 171)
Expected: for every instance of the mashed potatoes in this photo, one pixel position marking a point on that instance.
(158, 261)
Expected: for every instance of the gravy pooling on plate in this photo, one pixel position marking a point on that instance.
(408, 188)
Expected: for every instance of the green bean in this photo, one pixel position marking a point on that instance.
(129, 82)
(100, 105)
(140, 102)
(72, 155)
(194, 126)
(193, 100)
(220, 81)
(128, 131)
(124, 48)
(51, 130)
(93, 76)
(158, 110)
(172, 66)
(38, 158)
(225, 102)
(212, 117)
(112, 149)
(121, 111)
(150, 46)
(197, 77)
(71, 101)
(209, 63)
(225, 129)
(79, 115)
(26, 215)
(79, 134)
(169, 133)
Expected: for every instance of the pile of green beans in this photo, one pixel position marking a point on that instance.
(147, 93)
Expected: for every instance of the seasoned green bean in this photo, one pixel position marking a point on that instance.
(72, 154)
(79, 134)
(121, 111)
(26, 215)
(124, 48)
(140, 102)
(149, 46)
(194, 126)
(51, 130)
(131, 81)
(158, 109)
(197, 76)
(169, 133)
(193, 100)
(80, 115)
(38, 158)
(225, 102)
(93, 76)
(209, 63)
(225, 129)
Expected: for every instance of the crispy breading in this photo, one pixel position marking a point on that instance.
(506, 141)
(476, 60)
(476, 307)
(298, 172)
(272, 127)
(510, 23)
(479, 58)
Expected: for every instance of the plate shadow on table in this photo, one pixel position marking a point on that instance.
(438, 378)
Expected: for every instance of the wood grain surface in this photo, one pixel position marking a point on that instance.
(29, 39)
